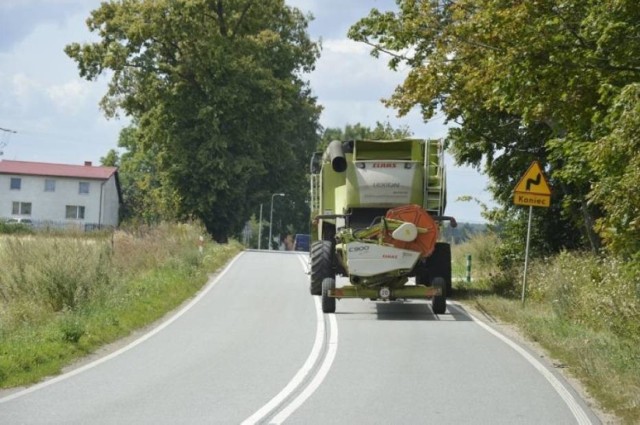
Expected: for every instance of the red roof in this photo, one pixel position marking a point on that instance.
(56, 170)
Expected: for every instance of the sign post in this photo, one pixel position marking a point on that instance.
(533, 191)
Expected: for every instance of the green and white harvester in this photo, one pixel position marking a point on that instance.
(376, 210)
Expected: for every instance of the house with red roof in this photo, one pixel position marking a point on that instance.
(60, 195)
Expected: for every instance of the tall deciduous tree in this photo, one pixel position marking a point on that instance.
(215, 90)
(523, 80)
(359, 131)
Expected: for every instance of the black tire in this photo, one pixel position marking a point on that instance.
(437, 265)
(328, 303)
(439, 302)
(321, 265)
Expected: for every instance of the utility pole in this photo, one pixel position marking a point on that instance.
(6, 133)
(260, 228)
(271, 218)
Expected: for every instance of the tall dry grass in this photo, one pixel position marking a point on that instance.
(62, 296)
(483, 251)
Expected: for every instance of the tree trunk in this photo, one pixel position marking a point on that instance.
(594, 239)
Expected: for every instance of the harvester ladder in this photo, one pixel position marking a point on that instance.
(315, 193)
(434, 177)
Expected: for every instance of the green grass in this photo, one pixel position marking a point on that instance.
(584, 310)
(62, 298)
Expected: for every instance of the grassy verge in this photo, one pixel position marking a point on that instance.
(584, 310)
(62, 298)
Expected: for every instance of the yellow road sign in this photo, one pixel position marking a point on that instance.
(533, 181)
(533, 188)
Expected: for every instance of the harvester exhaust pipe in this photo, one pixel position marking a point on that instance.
(336, 155)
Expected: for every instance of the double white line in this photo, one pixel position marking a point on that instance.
(302, 376)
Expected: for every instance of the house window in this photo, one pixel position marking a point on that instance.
(49, 185)
(16, 182)
(21, 208)
(83, 187)
(75, 212)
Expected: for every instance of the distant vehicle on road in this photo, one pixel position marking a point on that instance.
(301, 242)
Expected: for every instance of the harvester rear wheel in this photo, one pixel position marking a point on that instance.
(321, 265)
(437, 265)
(439, 302)
(328, 303)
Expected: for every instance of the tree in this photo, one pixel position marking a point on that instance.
(147, 197)
(215, 90)
(359, 131)
(522, 81)
(617, 167)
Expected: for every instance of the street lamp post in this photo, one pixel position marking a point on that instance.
(260, 228)
(271, 218)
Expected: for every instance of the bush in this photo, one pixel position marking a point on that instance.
(14, 228)
(72, 329)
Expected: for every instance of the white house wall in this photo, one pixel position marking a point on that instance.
(51, 206)
(110, 203)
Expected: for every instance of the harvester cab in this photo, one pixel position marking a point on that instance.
(377, 206)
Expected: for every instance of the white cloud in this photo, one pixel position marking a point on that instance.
(347, 72)
(69, 97)
(23, 89)
(345, 46)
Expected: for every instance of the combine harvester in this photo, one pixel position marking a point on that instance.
(376, 208)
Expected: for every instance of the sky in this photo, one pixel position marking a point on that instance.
(56, 117)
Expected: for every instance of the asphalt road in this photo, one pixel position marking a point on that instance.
(254, 347)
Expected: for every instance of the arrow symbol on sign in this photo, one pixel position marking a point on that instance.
(533, 182)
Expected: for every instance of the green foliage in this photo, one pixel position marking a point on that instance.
(221, 116)
(616, 163)
(148, 196)
(14, 228)
(359, 131)
(525, 81)
(72, 329)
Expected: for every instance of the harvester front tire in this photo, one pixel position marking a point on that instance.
(439, 302)
(321, 265)
(328, 303)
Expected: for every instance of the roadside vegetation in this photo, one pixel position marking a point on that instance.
(583, 308)
(63, 297)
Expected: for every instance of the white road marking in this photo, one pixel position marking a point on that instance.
(299, 377)
(581, 417)
(128, 347)
(304, 260)
(320, 376)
